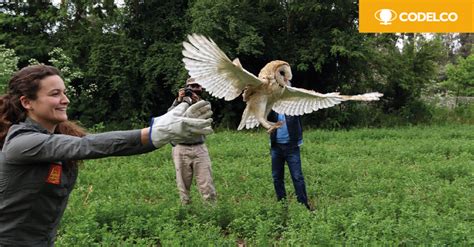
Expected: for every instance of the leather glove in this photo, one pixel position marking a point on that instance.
(202, 112)
(181, 124)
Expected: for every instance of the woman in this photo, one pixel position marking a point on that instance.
(41, 148)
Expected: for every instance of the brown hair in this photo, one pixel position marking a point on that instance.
(26, 82)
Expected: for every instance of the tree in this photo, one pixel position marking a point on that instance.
(28, 27)
(460, 77)
(466, 41)
(131, 56)
(158, 27)
(8, 65)
(113, 81)
(406, 72)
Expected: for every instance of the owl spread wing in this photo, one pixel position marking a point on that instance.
(298, 101)
(213, 70)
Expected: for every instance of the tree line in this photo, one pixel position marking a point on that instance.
(123, 63)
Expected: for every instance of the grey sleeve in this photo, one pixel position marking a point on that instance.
(40, 147)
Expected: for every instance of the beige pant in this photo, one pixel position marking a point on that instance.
(189, 160)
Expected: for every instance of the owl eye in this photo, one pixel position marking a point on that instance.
(282, 73)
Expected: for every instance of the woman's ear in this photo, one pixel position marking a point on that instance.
(25, 102)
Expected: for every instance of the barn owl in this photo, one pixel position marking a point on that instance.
(271, 90)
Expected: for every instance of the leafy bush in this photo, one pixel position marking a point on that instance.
(463, 113)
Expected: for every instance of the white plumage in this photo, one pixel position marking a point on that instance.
(227, 79)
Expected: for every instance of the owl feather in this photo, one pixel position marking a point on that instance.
(223, 78)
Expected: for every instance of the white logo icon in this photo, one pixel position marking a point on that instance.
(385, 16)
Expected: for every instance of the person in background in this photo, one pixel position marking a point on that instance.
(41, 150)
(191, 157)
(285, 147)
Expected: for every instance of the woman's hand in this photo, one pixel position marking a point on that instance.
(181, 124)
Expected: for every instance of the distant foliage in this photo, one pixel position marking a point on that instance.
(28, 27)
(125, 62)
(460, 77)
(8, 65)
(64, 63)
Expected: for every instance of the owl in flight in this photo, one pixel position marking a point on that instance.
(271, 90)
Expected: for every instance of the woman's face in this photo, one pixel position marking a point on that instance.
(49, 108)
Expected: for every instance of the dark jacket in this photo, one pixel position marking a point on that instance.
(295, 129)
(35, 184)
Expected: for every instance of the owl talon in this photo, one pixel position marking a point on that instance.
(274, 127)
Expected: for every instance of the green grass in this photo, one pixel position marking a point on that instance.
(401, 186)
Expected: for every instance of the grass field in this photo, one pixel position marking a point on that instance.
(402, 186)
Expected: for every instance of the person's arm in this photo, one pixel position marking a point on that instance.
(145, 136)
(178, 100)
(33, 146)
(39, 147)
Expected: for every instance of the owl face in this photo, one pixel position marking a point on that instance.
(277, 71)
(283, 75)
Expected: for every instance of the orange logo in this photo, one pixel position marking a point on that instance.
(54, 174)
(435, 16)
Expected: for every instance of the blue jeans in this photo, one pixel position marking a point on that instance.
(291, 154)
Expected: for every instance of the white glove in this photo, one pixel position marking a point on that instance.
(181, 124)
(203, 112)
